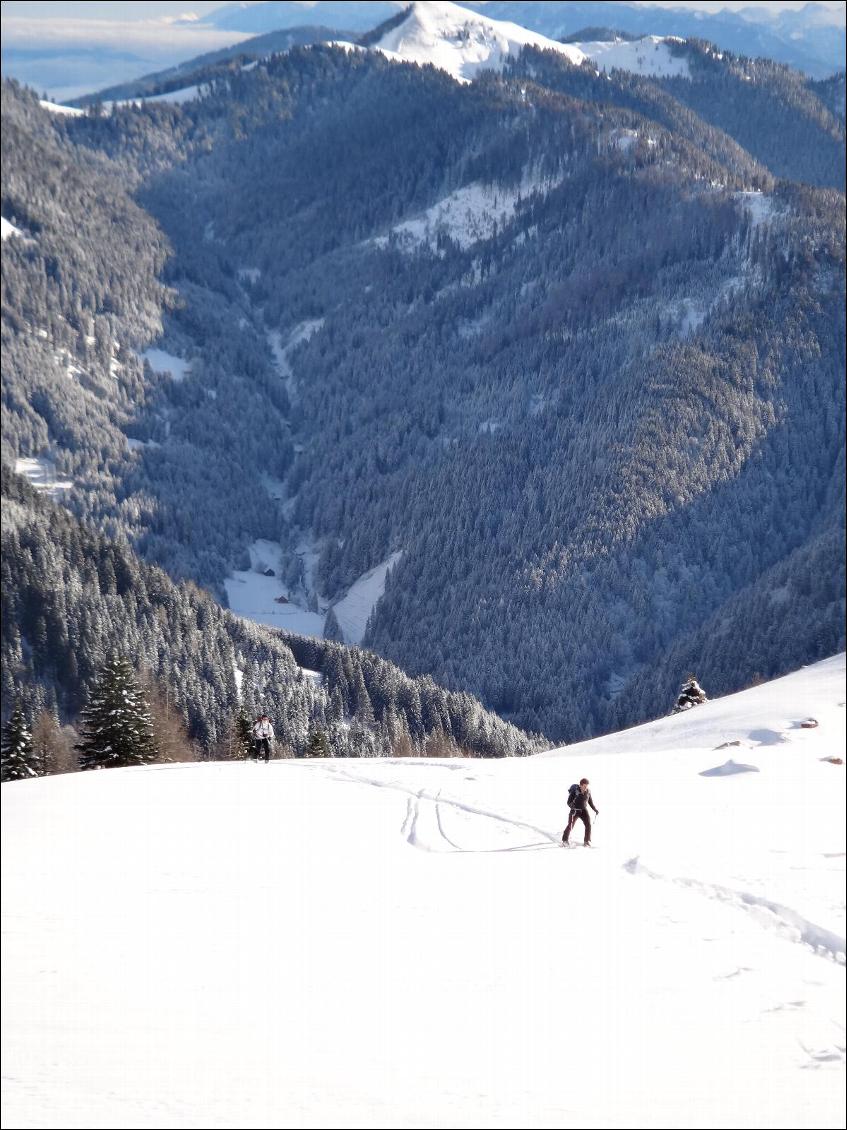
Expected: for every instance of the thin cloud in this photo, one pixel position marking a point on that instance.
(165, 38)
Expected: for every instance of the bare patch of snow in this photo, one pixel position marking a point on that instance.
(353, 611)
(759, 205)
(174, 97)
(163, 362)
(650, 55)
(55, 108)
(7, 230)
(274, 487)
(467, 216)
(42, 475)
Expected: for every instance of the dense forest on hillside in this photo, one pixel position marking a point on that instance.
(572, 342)
(70, 599)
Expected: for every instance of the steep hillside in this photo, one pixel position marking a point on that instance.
(70, 598)
(560, 348)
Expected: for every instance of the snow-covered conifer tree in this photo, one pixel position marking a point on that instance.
(690, 694)
(117, 728)
(243, 735)
(318, 744)
(18, 756)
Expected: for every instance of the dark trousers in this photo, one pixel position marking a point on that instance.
(260, 744)
(577, 814)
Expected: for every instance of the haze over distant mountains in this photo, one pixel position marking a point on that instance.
(811, 38)
(71, 57)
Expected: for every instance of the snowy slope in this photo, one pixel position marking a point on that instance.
(8, 229)
(41, 473)
(467, 215)
(56, 108)
(354, 609)
(266, 600)
(462, 42)
(652, 55)
(163, 362)
(404, 943)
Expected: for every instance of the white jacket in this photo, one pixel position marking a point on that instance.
(263, 730)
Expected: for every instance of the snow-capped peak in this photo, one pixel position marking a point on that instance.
(462, 42)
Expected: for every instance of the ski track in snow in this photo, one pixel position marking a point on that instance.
(464, 983)
(413, 812)
(771, 915)
(425, 831)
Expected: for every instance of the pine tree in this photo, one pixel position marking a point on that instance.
(317, 744)
(117, 729)
(243, 743)
(17, 751)
(690, 694)
(332, 629)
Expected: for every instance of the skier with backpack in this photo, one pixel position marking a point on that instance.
(579, 798)
(263, 735)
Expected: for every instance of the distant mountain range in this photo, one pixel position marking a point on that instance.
(811, 39)
(65, 61)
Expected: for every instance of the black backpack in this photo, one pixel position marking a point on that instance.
(573, 793)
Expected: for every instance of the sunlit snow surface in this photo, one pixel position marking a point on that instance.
(265, 599)
(404, 943)
(354, 609)
(461, 42)
(651, 55)
(41, 474)
(8, 229)
(163, 362)
(56, 108)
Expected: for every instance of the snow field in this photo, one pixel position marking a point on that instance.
(41, 474)
(254, 596)
(404, 942)
(163, 362)
(651, 55)
(354, 609)
(8, 229)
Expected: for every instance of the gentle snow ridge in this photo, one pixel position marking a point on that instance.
(650, 55)
(55, 108)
